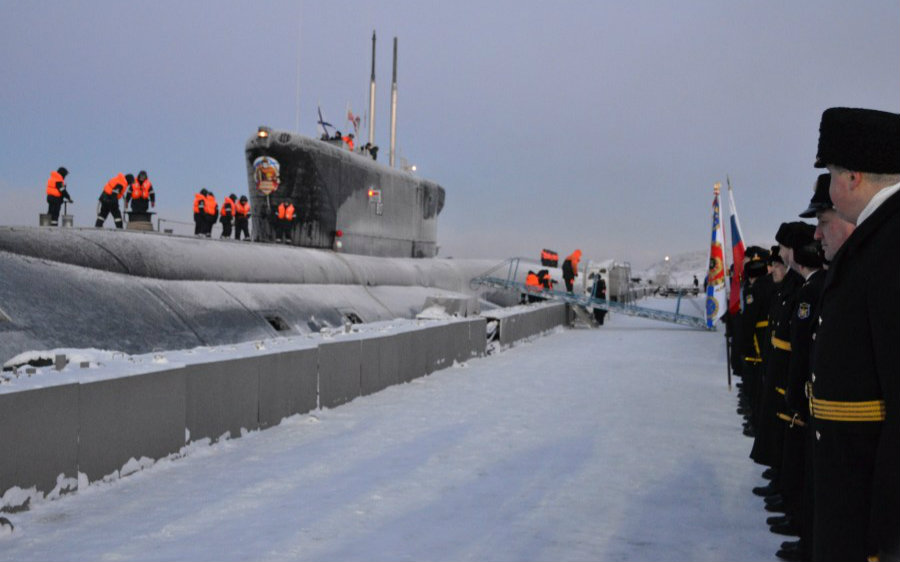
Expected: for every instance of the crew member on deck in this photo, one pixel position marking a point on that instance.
(227, 215)
(109, 199)
(141, 194)
(56, 193)
(210, 213)
(284, 221)
(242, 218)
(199, 211)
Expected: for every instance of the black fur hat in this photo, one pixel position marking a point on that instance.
(62, 171)
(795, 234)
(775, 255)
(129, 178)
(810, 255)
(755, 268)
(821, 199)
(863, 140)
(755, 252)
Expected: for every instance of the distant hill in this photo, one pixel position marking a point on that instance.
(681, 269)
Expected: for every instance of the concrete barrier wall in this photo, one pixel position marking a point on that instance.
(527, 321)
(288, 385)
(97, 428)
(39, 439)
(222, 398)
(339, 372)
(131, 417)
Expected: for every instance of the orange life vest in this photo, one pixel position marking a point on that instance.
(210, 205)
(55, 178)
(532, 280)
(117, 186)
(349, 142)
(286, 212)
(574, 258)
(242, 209)
(228, 207)
(141, 190)
(197, 198)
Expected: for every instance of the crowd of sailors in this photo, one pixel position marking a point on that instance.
(817, 346)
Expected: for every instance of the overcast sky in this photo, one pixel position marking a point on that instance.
(599, 125)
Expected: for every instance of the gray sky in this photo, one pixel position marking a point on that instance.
(599, 125)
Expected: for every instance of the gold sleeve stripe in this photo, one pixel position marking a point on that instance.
(781, 344)
(864, 411)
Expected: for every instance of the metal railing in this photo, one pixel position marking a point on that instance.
(588, 302)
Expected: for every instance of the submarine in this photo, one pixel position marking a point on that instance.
(363, 250)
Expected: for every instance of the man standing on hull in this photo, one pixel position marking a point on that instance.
(855, 375)
(56, 193)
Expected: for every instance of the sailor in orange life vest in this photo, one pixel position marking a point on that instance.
(199, 204)
(56, 192)
(141, 194)
(210, 213)
(227, 215)
(242, 218)
(532, 285)
(109, 199)
(284, 221)
(570, 269)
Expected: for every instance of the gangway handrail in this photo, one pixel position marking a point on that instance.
(586, 301)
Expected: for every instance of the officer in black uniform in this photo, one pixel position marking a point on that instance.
(855, 378)
(768, 445)
(756, 293)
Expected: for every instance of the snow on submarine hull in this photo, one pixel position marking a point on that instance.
(139, 292)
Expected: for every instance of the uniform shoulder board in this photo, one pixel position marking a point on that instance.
(803, 311)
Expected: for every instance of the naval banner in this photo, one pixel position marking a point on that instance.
(715, 277)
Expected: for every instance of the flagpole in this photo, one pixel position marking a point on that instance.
(729, 320)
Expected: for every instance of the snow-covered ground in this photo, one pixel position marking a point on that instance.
(616, 443)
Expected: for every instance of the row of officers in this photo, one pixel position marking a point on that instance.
(817, 346)
(234, 213)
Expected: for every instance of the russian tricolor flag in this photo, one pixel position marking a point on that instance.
(737, 257)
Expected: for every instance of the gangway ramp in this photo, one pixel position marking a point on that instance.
(494, 278)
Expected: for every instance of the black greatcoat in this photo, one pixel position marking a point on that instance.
(795, 467)
(856, 358)
(769, 443)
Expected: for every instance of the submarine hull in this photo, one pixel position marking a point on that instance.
(139, 292)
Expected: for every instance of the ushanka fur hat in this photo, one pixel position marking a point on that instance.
(862, 140)
(795, 234)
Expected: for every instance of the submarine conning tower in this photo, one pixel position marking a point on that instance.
(344, 200)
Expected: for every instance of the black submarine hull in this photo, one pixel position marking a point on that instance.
(138, 292)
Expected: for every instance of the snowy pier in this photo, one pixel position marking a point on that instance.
(612, 444)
